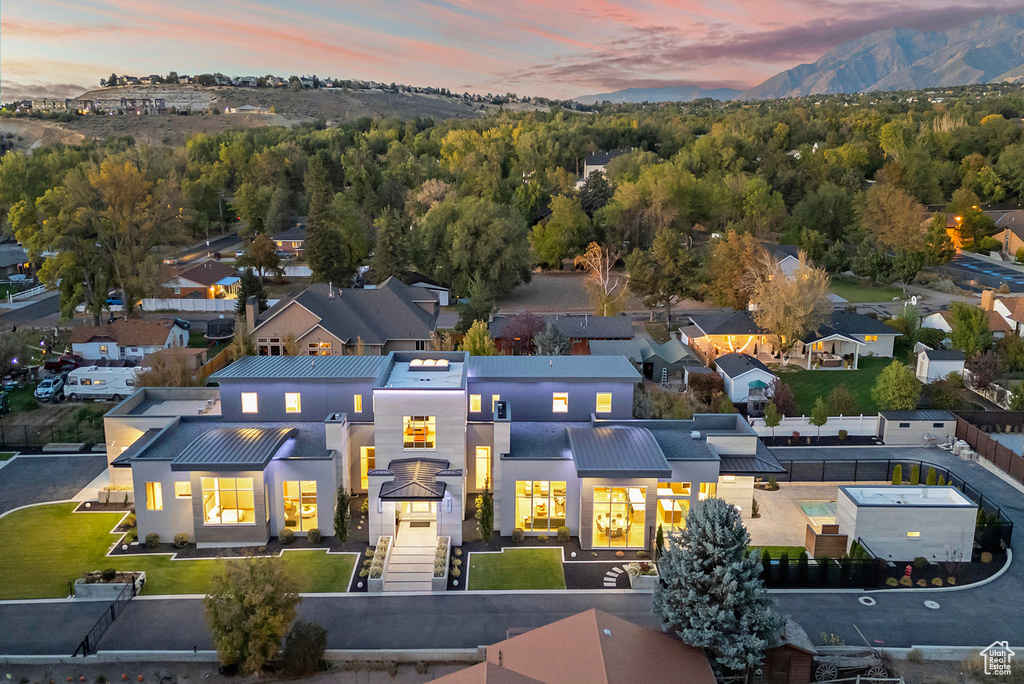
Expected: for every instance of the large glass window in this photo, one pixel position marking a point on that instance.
(620, 516)
(269, 346)
(483, 468)
(183, 490)
(673, 504)
(228, 500)
(560, 402)
(419, 432)
(474, 403)
(357, 403)
(604, 402)
(292, 402)
(300, 505)
(708, 490)
(367, 462)
(540, 505)
(319, 348)
(249, 402)
(154, 496)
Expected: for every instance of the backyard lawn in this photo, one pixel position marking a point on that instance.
(517, 569)
(40, 567)
(856, 290)
(808, 385)
(775, 551)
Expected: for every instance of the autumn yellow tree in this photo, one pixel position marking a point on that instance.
(789, 307)
(607, 288)
(893, 218)
(731, 258)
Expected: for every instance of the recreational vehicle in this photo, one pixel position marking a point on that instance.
(93, 382)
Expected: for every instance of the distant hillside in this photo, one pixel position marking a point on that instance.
(678, 94)
(989, 49)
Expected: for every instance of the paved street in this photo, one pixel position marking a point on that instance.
(970, 617)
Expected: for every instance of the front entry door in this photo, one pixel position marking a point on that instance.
(418, 526)
(419, 510)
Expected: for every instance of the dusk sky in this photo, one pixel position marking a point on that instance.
(556, 48)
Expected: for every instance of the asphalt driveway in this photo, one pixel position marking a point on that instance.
(35, 479)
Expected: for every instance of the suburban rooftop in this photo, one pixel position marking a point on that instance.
(912, 495)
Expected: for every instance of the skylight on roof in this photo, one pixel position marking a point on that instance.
(429, 363)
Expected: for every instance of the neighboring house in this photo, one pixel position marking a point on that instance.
(656, 361)
(936, 364)
(205, 280)
(580, 329)
(13, 260)
(839, 344)
(131, 338)
(599, 160)
(193, 358)
(292, 240)
(413, 279)
(1011, 234)
(327, 321)
(593, 647)
(418, 433)
(943, 320)
(1010, 309)
(746, 379)
(788, 257)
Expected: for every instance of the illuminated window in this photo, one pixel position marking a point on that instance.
(604, 402)
(914, 535)
(495, 398)
(154, 496)
(249, 402)
(728, 478)
(182, 490)
(619, 516)
(483, 467)
(103, 349)
(673, 489)
(300, 505)
(871, 338)
(708, 490)
(228, 500)
(540, 505)
(367, 462)
(292, 402)
(474, 403)
(560, 402)
(280, 244)
(357, 403)
(318, 348)
(418, 432)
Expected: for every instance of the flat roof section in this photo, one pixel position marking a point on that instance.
(912, 496)
(541, 440)
(170, 401)
(426, 373)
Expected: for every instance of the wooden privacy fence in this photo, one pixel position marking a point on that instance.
(1000, 456)
(213, 365)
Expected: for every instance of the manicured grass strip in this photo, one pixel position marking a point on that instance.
(776, 551)
(855, 290)
(517, 569)
(52, 545)
(6, 455)
(808, 385)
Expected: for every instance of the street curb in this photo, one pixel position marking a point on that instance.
(400, 655)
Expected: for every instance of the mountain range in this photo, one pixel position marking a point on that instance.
(990, 49)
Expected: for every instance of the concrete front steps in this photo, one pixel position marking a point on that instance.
(410, 568)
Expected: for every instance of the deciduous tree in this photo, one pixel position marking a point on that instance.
(731, 258)
(478, 341)
(896, 388)
(261, 256)
(666, 272)
(607, 288)
(336, 245)
(789, 307)
(970, 329)
(893, 218)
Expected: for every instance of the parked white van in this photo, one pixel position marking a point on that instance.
(92, 382)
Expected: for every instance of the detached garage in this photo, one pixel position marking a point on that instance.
(916, 427)
(744, 376)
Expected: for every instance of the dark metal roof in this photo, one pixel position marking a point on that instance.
(735, 365)
(841, 322)
(233, 449)
(293, 234)
(944, 354)
(617, 452)
(415, 480)
(764, 462)
(553, 368)
(932, 415)
(295, 367)
(602, 158)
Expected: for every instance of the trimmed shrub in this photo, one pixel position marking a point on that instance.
(152, 540)
(906, 581)
(518, 535)
(755, 509)
(915, 475)
(915, 656)
(456, 562)
(181, 540)
(922, 583)
(542, 538)
(897, 474)
(364, 507)
(314, 536)
(130, 521)
(619, 554)
(455, 572)
(108, 575)
(458, 552)
(773, 484)
(286, 536)
(932, 477)
(843, 434)
(937, 582)
(920, 562)
(304, 648)
(986, 557)
(563, 534)
(766, 563)
(642, 554)
(951, 580)
(801, 565)
(892, 582)
(942, 481)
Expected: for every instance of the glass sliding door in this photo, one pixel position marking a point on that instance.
(620, 516)
(540, 505)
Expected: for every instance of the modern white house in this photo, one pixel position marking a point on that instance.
(936, 364)
(127, 339)
(418, 433)
(902, 523)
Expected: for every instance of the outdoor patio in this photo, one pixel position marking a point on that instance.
(783, 522)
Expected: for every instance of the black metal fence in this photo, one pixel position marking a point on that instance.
(29, 437)
(92, 639)
(993, 532)
(825, 573)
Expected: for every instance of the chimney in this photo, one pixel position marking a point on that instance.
(251, 310)
(988, 300)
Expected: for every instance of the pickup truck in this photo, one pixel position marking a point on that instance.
(68, 362)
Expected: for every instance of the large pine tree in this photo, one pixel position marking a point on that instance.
(711, 594)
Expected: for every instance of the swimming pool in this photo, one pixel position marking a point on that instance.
(820, 512)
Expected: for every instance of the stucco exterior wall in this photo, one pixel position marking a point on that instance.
(883, 347)
(533, 401)
(176, 515)
(891, 431)
(449, 410)
(739, 491)
(323, 472)
(242, 534)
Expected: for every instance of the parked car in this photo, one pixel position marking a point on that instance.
(239, 253)
(50, 388)
(282, 254)
(183, 324)
(68, 362)
(171, 261)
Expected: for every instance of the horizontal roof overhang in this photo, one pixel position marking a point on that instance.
(415, 480)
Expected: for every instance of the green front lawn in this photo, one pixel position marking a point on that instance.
(857, 290)
(51, 545)
(6, 455)
(776, 551)
(808, 385)
(517, 569)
